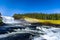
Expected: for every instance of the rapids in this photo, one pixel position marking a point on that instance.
(50, 34)
(9, 20)
(27, 31)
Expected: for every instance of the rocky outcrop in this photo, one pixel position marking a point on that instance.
(1, 22)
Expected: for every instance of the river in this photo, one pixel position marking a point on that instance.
(24, 31)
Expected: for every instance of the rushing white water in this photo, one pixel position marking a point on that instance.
(10, 20)
(50, 34)
(7, 19)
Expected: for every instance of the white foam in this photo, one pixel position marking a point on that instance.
(9, 20)
(49, 34)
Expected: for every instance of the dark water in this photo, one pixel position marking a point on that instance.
(17, 36)
(23, 36)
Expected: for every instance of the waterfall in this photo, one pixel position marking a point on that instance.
(10, 20)
(7, 19)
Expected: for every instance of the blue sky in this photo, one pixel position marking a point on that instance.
(9, 7)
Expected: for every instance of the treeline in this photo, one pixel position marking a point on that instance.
(53, 16)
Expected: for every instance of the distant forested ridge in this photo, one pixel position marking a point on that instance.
(52, 16)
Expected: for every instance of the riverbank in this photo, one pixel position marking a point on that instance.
(47, 19)
(44, 22)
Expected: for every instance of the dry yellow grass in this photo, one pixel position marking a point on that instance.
(32, 20)
(50, 21)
